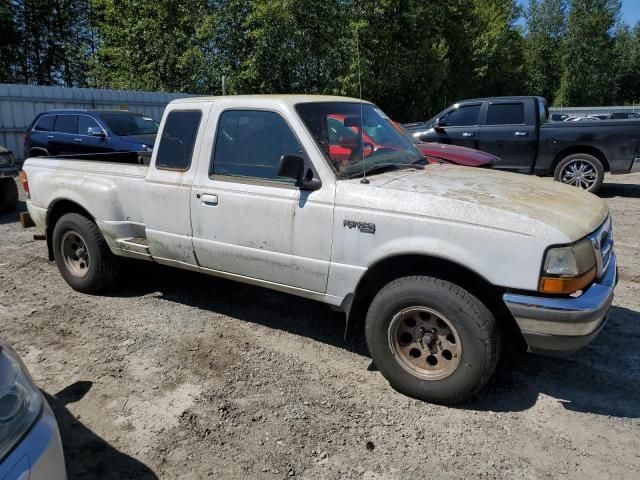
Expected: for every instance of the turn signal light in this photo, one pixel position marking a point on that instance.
(566, 285)
(25, 183)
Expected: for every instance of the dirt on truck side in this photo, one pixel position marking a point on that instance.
(180, 375)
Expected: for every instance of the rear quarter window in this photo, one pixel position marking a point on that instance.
(45, 123)
(178, 140)
(505, 114)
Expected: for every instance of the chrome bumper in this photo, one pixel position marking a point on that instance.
(635, 166)
(559, 326)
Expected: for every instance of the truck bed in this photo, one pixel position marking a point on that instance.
(112, 193)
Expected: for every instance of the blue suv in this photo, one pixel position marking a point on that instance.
(74, 132)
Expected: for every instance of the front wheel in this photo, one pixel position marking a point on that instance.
(432, 339)
(580, 170)
(82, 254)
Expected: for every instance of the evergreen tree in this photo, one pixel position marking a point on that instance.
(587, 77)
(9, 42)
(497, 48)
(545, 29)
(52, 41)
(626, 64)
(148, 45)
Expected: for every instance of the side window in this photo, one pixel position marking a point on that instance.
(66, 124)
(251, 143)
(45, 124)
(178, 139)
(84, 123)
(505, 114)
(462, 117)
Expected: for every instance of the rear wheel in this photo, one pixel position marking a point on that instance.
(82, 255)
(580, 170)
(8, 195)
(432, 339)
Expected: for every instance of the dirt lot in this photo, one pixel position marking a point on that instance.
(178, 375)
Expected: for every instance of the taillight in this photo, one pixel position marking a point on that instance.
(25, 183)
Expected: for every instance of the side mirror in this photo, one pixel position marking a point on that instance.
(295, 167)
(96, 132)
(439, 124)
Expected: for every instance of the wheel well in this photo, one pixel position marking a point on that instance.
(392, 268)
(57, 210)
(580, 149)
(37, 151)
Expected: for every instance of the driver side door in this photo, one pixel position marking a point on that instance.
(460, 126)
(249, 222)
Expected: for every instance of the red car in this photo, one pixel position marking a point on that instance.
(343, 141)
(442, 153)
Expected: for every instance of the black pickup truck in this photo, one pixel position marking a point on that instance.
(517, 130)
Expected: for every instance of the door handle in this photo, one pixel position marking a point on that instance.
(77, 140)
(49, 136)
(468, 134)
(521, 134)
(209, 200)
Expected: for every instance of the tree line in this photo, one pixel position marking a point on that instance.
(413, 57)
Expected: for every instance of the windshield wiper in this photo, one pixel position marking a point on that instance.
(388, 165)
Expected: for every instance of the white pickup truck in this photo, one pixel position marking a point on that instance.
(438, 261)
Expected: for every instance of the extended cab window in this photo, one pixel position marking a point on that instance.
(45, 124)
(505, 114)
(178, 139)
(66, 124)
(463, 116)
(250, 144)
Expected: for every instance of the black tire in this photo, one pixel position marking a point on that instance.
(594, 165)
(475, 325)
(102, 267)
(39, 152)
(8, 195)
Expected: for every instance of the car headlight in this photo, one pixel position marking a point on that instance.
(6, 161)
(20, 401)
(568, 269)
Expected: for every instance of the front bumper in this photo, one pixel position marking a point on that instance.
(560, 326)
(9, 172)
(39, 455)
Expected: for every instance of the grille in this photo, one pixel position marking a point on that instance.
(602, 241)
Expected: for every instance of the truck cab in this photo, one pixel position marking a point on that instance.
(434, 261)
(518, 131)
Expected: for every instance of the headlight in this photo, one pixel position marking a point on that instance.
(6, 161)
(20, 401)
(568, 269)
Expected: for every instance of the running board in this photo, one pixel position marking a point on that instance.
(135, 245)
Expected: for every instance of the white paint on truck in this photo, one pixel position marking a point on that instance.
(315, 243)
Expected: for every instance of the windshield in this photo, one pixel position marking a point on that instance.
(335, 126)
(125, 124)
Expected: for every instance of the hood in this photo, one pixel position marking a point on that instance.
(492, 198)
(459, 155)
(148, 140)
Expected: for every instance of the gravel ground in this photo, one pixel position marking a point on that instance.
(179, 375)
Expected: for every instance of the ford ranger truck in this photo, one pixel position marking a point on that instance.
(518, 131)
(438, 261)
